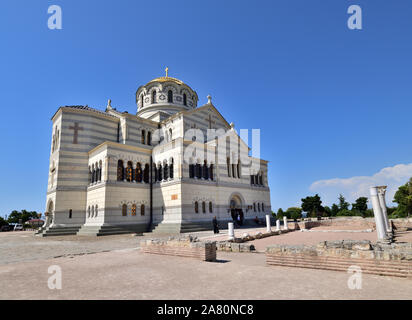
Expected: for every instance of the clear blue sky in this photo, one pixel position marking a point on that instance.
(330, 102)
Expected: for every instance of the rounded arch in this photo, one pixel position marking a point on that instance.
(236, 201)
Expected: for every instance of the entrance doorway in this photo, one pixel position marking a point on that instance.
(236, 210)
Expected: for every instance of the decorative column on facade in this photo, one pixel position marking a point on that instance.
(106, 169)
(377, 211)
(382, 202)
(134, 167)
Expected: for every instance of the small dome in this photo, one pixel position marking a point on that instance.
(165, 79)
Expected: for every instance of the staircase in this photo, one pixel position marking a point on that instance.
(57, 231)
(107, 230)
(176, 228)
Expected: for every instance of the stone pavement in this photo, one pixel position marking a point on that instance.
(130, 274)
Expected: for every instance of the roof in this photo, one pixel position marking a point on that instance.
(85, 108)
(165, 79)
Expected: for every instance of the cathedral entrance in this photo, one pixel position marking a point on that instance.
(236, 210)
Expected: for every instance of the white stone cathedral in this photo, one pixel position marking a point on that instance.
(158, 170)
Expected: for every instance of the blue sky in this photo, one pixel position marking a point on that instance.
(331, 103)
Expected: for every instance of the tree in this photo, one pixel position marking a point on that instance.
(24, 215)
(360, 206)
(343, 204)
(312, 205)
(2, 221)
(403, 197)
(328, 211)
(334, 210)
(280, 214)
(294, 213)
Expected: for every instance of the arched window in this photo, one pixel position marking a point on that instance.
(143, 137)
(70, 213)
(141, 101)
(96, 211)
(261, 179)
(205, 171)
(238, 170)
(124, 210)
(191, 170)
(233, 171)
(142, 210)
(146, 173)
(138, 173)
(204, 207)
(211, 171)
(259, 207)
(149, 138)
(166, 171)
(254, 206)
(170, 135)
(133, 209)
(210, 207)
(171, 168)
(184, 99)
(120, 171)
(170, 96)
(256, 179)
(93, 173)
(159, 173)
(228, 166)
(263, 207)
(88, 212)
(90, 175)
(92, 215)
(100, 171)
(198, 171)
(154, 96)
(196, 207)
(129, 171)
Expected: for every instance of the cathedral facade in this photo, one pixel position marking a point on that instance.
(171, 167)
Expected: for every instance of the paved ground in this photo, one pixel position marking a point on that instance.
(112, 267)
(129, 274)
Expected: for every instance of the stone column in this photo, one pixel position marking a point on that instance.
(382, 202)
(377, 212)
(231, 230)
(277, 225)
(285, 223)
(268, 228)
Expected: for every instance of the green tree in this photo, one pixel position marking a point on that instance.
(343, 204)
(334, 210)
(328, 211)
(312, 205)
(2, 221)
(24, 215)
(294, 213)
(360, 206)
(280, 214)
(403, 197)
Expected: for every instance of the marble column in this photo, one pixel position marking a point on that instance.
(277, 225)
(382, 202)
(377, 212)
(268, 228)
(231, 231)
(285, 223)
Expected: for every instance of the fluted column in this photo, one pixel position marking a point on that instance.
(377, 212)
(382, 202)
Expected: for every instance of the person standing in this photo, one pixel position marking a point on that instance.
(215, 225)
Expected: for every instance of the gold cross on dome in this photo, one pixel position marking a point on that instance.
(167, 71)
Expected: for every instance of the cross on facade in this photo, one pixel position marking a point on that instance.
(210, 121)
(76, 129)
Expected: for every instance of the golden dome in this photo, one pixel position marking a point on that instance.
(166, 79)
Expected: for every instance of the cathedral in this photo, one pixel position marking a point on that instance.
(169, 168)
